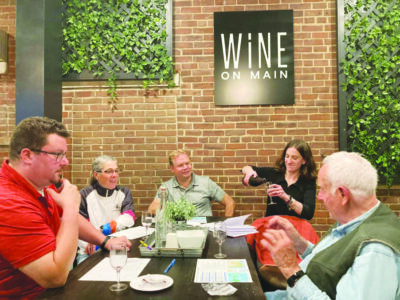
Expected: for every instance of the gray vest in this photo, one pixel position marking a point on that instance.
(329, 265)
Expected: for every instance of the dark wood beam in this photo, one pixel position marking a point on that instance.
(38, 59)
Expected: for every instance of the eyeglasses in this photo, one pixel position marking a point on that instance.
(59, 155)
(109, 171)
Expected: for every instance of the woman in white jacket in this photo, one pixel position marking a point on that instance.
(106, 205)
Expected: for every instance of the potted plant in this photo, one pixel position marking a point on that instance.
(180, 210)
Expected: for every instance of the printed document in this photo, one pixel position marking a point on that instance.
(218, 270)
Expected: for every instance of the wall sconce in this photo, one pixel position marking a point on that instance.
(3, 52)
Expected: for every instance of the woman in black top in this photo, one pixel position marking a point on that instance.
(294, 181)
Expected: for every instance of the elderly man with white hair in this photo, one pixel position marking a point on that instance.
(359, 257)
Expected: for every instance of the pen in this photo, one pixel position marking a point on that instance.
(169, 266)
(147, 246)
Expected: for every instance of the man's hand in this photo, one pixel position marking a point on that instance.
(118, 240)
(90, 249)
(154, 205)
(282, 251)
(229, 204)
(300, 244)
(69, 197)
(51, 270)
(282, 223)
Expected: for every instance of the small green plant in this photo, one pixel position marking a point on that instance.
(180, 210)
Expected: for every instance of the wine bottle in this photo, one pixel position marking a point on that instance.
(256, 181)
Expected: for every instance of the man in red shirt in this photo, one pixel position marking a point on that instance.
(39, 225)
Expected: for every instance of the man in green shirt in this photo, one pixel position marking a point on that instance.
(200, 190)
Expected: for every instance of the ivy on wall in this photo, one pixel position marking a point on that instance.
(372, 84)
(109, 37)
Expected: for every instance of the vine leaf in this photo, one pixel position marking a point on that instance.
(371, 68)
(110, 38)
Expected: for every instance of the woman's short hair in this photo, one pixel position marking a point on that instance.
(98, 164)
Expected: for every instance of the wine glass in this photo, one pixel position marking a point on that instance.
(118, 257)
(147, 219)
(270, 201)
(220, 236)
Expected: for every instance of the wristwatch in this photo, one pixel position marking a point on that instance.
(290, 202)
(296, 276)
(103, 244)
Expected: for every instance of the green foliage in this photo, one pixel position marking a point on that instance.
(117, 36)
(372, 67)
(180, 210)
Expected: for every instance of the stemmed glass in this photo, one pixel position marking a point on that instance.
(220, 236)
(146, 220)
(270, 201)
(118, 257)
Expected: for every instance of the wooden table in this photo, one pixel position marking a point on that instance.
(182, 273)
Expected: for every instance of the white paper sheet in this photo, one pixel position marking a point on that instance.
(104, 272)
(133, 232)
(222, 270)
(235, 231)
(236, 221)
(235, 226)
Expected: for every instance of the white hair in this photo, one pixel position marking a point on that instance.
(98, 164)
(351, 170)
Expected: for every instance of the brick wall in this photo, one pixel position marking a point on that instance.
(222, 140)
(7, 81)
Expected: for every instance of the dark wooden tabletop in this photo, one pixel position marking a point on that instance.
(182, 273)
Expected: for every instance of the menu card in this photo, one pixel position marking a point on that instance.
(226, 270)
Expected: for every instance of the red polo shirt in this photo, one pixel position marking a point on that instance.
(29, 223)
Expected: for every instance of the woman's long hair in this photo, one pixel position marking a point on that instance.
(309, 169)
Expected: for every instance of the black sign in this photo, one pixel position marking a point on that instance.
(253, 57)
